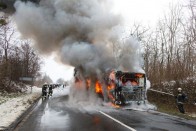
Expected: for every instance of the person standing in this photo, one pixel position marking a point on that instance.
(44, 90)
(50, 90)
(180, 99)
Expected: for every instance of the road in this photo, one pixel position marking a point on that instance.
(58, 114)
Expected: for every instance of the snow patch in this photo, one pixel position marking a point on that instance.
(14, 107)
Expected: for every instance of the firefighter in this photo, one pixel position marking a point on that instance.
(180, 99)
(44, 90)
(50, 90)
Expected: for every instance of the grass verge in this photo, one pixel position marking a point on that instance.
(166, 104)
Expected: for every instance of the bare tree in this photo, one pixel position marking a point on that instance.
(190, 35)
(170, 50)
(31, 61)
(15, 64)
(6, 38)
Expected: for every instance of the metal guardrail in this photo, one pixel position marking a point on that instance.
(161, 92)
(189, 102)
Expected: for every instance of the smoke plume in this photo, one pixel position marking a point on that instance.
(82, 33)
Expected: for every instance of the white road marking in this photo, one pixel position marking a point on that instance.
(117, 121)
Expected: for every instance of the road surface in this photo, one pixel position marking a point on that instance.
(58, 114)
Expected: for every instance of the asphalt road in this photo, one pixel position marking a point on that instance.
(57, 114)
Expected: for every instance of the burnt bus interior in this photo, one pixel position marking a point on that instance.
(133, 88)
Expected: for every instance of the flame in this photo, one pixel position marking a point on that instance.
(111, 86)
(115, 106)
(98, 87)
(139, 75)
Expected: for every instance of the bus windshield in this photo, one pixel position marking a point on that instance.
(132, 79)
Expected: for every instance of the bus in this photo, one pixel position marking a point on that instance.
(128, 87)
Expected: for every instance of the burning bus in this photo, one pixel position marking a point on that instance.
(128, 87)
(121, 88)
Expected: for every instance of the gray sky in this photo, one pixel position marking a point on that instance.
(145, 11)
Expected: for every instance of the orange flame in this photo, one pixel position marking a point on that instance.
(98, 88)
(115, 106)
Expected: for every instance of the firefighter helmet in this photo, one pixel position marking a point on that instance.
(179, 89)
